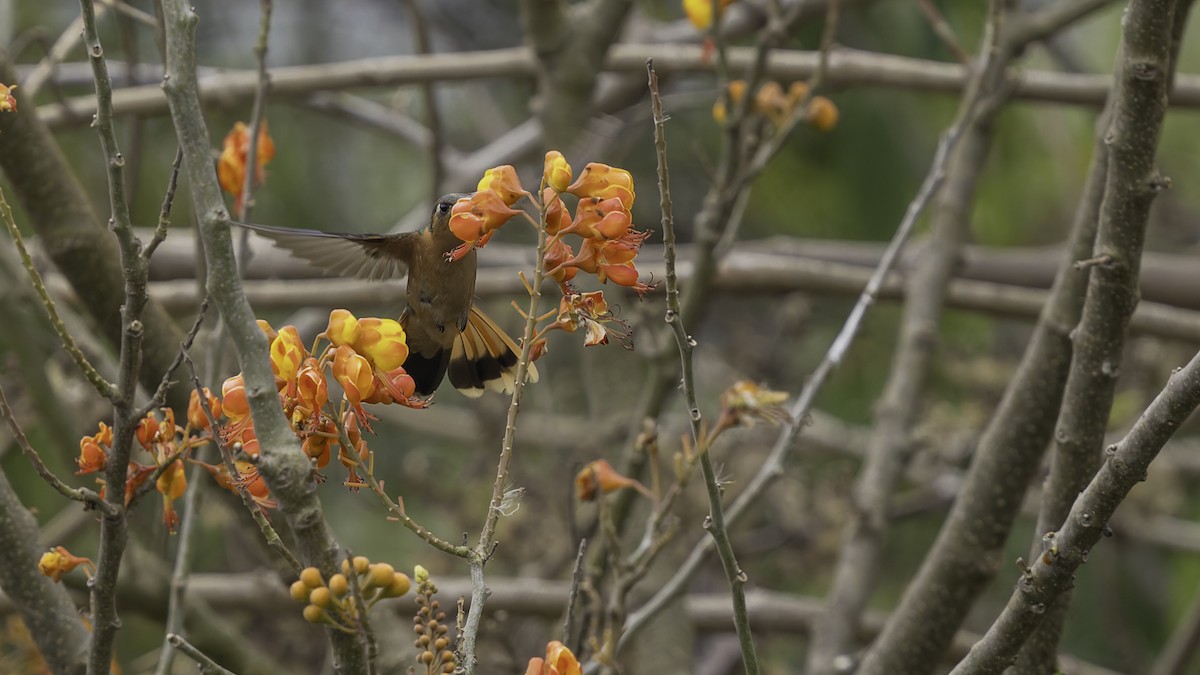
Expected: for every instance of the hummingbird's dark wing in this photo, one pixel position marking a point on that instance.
(367, 256)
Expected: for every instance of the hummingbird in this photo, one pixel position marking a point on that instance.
(446, 333)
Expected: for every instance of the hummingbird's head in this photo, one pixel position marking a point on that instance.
(441, 210)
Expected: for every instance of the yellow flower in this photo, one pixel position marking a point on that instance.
(7, 102)
(172, 484)
(382, 342)
(353, 372)
(58, 561)
(604, 182)
(342, 328)
(287, 353)
(556, 172)
(504, 182)
(699, 12)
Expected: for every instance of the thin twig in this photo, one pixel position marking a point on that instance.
(164, 213)
(206, 664)
(160, 395)
(256, 118)
(84, 495)
(573, 595)
(484, 548)
(365, 632)
(715, 523)
(943, 30)
(102, 386)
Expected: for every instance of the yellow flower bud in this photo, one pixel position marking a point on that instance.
(339, 584)
(300, 591)
(556, 172)
(311, 577)
(822, 114)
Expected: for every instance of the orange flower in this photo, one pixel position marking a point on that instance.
(604, 182)
(473, 220)
(147, 430)
(559, 253)
(248, 477)
(311, 387)
(7, 102)
(396, 386)
(317, 447)
(601, 473)
(503, 181)
(93, 455)
(195, 412)
(559, 661)
(231, 167)
(556, 172)
(172, 484)
(557, 215)
(342, 328)
(382, 342)
(58, 561)
(236, 408)
(136, 475)
(353, 372)
(287, 353)
(234, 404)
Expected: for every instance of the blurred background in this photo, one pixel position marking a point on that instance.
(354, 156)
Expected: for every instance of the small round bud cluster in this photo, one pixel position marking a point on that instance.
(336, 601)
(433, 640)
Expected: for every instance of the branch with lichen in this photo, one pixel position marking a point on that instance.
(283, 464)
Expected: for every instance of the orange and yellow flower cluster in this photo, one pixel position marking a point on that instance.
(168, 445)
(364, 357)
(601, 220)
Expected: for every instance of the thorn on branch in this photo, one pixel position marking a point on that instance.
(1103, 260)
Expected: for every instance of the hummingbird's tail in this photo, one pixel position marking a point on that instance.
(485, 357)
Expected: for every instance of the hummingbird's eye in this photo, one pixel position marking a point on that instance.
(443, 207)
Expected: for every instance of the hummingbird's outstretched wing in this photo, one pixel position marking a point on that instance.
(367, 256)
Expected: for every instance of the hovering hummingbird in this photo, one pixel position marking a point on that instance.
(446, 333)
